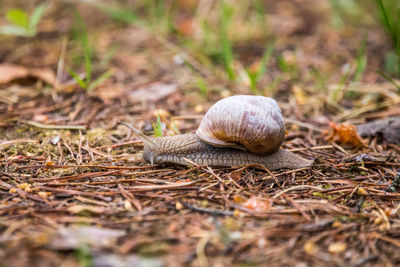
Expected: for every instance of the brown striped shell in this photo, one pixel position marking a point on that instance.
(252, 123)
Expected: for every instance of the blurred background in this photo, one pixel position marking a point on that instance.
(332, 55)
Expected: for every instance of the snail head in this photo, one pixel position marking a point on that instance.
(148, 144)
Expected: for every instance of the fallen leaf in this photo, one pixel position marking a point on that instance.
(257, 204)
(45, 74)
(152, 92)
(344, 134)
(10, 72)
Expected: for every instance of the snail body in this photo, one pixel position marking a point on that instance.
(256, 119)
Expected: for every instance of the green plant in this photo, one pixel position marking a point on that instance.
(84, 255)
(21, 23)
(159, 15)
(361, 61)
(226, 14)
(337, 94)
(389, 79)
(254, 77)
(158, 127)
(346, 12)
(320, 79)
(202, 86)
(389, 11)
(86, 81)
(116, 12)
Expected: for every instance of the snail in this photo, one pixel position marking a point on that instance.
(237, 130)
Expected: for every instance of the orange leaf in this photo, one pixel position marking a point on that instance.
(257, 204)
(344, 134)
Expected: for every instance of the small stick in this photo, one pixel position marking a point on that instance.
(5, 143)
(131, 198)
(56, 127)
(298, 187)
(209, 211)
(303, 124)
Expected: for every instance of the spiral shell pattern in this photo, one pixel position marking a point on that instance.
(252, 123)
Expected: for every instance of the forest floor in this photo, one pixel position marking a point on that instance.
(75, 191)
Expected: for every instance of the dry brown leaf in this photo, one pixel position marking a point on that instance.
(10, 72)
(345, 134)
(257, 204)
(45, 74)
(152, 92)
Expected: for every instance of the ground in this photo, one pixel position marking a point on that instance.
(75, 191)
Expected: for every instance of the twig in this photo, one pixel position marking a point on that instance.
(209, 211)
(303, 124)
(11, 142)
(297, 188)
(130, 197)
(56, 127)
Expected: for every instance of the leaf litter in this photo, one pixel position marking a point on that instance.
(68, 191)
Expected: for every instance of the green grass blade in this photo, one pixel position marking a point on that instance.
(116, 12)
(36, 16)
(78, 79)
(226, 43)
(361, 61)
(389, 79)
(202, 86)
(397, 39)
(87, 50)
(99, 80)
(158, 127)
(386, 18)
(264, 62)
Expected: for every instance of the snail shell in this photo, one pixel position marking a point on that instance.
(252, 123)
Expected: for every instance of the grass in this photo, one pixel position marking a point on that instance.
(226, 14)
(158, 132)
(389, 79)
(254, 77)
(201, 84)
(86, 81)
(20, 22)
(116, 12)
(360, 61)
(84, 256)
(216, 46)
(389, 11)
